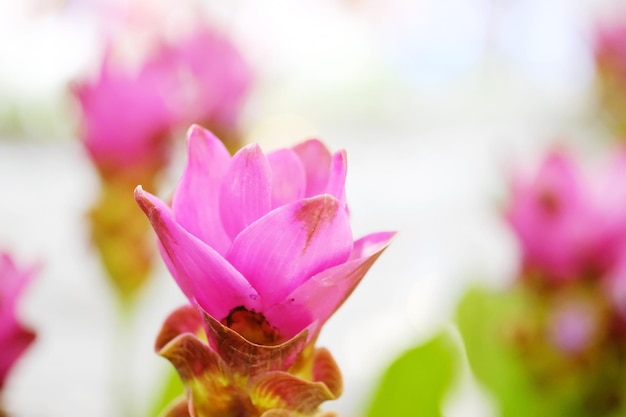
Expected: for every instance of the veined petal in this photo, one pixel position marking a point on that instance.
(202, 273)
(326, 370)
(185, 319)
(246, 193)
(319, 297)
(282, 390)
(290, 244)
(196, 202)
(337, 180)
(288, 177)
(316, 159)
(247, 358)
(210, 385)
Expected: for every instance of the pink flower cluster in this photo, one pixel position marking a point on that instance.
(610, 47)
(129, 111)
(571, 225)
(14, 337)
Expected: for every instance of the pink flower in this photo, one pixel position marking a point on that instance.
(126, 115)
(566, 225)
(213, 79)
(14, 338)
(610, 47)
(262, 243)
(129, 111)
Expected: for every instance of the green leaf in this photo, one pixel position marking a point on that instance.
(172, 388)
(487, 322)
(416, 383)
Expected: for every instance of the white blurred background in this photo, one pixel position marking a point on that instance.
(433, 99)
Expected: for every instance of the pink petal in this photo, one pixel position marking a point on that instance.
(337, 180)
(288, 177)
(13, 342)
(13, 281)
(246, 192)
(316, 160)
(201, 272)
(196, 201)
(319, 297)
(290, 244)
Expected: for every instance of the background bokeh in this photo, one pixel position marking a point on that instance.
(434, 100)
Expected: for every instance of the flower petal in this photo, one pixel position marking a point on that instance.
(196, 201)
(201, 272)
(319, 297)
(14, 342)
(281, 390)
(185, 319)
(290, 244)
(316, 160)
(337, 181)
(246, 193)
(326, 370)
(288, 177)
(247, 358)
(210, 385)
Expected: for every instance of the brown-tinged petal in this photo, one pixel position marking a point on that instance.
(277, 389)
(246, 358)
(326, 371)
(290, 244)
(185, 319)
(319, 297)
(208, 380)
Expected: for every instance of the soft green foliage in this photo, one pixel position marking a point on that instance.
(418, 381)
(487, 321)
(171, 389)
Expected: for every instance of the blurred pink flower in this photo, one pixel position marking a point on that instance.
(14, 337)
(569, 225)
(129, 111)
(126, 115)
(610, 46)
(262, 243)
(212, 81)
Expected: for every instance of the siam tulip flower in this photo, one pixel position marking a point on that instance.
(126, 117)
(262, 246)
(129, 114)
(130, 111)
(265, 235)
(569, 225)
(14, 337)
(212, 81)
